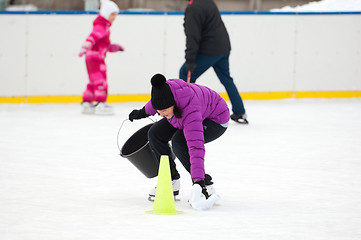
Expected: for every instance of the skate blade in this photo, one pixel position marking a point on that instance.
(243, 121)
(152, 198)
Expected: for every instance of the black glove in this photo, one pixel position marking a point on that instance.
(138, 114)
(190, 66)
(203, 186)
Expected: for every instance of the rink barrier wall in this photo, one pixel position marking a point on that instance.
(146, 97)
(275, 55)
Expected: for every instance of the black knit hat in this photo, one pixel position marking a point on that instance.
(161, 96)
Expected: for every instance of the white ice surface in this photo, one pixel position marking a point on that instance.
(293, 173)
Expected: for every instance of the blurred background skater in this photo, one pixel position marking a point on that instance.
(95, 48)
(208, 45)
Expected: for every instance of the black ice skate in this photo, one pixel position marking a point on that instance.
(240, 118)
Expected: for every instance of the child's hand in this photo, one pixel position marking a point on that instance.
(138, 114)
(86, 47)
(115, 48)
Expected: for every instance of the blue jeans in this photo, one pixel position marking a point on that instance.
(220, 65)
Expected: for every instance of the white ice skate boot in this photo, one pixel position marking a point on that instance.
(209, 185)
(176, 187)
(87, 108)
(103, 109)
(210, 189)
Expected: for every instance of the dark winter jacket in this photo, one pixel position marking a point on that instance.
(205, 30)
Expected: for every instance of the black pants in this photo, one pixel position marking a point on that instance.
(162, 132)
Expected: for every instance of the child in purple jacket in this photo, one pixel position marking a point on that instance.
(192, 116)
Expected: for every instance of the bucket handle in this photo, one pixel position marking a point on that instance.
(120, 151)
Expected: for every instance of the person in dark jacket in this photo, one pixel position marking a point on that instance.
(208, 45)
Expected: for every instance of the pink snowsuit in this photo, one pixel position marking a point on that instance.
(97, 88)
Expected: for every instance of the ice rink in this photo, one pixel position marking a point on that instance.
(293, 173)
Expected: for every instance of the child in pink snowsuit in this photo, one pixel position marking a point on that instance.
(95, 48)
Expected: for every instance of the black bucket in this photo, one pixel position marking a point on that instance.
(136, 149)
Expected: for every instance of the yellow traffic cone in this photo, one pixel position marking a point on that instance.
(164, 199)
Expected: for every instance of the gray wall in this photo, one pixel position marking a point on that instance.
(165, 5)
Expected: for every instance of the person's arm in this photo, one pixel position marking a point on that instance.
(146, 111)
(114, 47)
(193, 32)
(98, 32)
(193, 133)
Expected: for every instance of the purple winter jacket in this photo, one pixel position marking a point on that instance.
(198, 103)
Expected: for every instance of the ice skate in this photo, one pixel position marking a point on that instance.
(176, 187)
(103, 108)
(209, 184)
(87, 108)
(240, 118)
(210, 189)
(199, 202)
